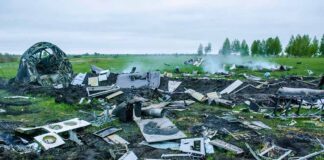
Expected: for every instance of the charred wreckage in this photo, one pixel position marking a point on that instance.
(148, 98)
(45, 64)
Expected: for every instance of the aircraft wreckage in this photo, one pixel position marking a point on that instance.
(153, 101)
(45, 64)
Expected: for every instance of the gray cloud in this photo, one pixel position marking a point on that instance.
(159, 26)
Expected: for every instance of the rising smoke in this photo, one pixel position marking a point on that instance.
(218, 63)
(139, 67)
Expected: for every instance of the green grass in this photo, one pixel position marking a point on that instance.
(124, 63)
(8, 70)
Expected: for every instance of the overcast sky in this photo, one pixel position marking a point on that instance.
(152, 26)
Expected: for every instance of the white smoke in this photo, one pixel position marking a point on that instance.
(217, 63)
(214, 64)
(259, 65)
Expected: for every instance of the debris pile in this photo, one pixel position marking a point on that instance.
(152, 102)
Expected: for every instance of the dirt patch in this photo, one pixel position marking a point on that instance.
(300, 143)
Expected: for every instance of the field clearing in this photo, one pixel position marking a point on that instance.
(124, 63)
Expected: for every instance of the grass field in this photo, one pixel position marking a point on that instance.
(44, 109)
(124, 63)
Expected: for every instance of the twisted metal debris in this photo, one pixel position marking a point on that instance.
(46, 64)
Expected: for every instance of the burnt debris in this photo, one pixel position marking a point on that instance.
(45, 64)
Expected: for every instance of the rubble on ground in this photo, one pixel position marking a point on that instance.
(150, 104)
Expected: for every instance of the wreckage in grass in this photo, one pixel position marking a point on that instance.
(46, 64)
(147, 98)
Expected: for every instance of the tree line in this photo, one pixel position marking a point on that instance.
(301, 45)
(6, 57)
(235, 47)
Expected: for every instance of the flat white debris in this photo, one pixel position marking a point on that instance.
(163, 145)
(117, 139)
(189, 145)
(66, 125)
(103, 75)
(159, 129)
(49, 140)
(208, 147)
(114, 95)
(198, 96)
(93, 81)
(232, 87)
(213, 95)
(129, 156)
(78, 80)
(227, 146)
(173, 85)
(261, 124)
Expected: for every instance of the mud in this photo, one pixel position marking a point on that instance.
(301, 143)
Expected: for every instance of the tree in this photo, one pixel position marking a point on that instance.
(313, 48)
(269, 48)
(302, 46)
(321, 48)
(255, 47)
(244, 49)
(236, 46)
(273, 46)
(226, 49)
(277, 46)
(200, 50)
(208, 48)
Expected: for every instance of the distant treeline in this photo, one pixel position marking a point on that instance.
(300, 46)
(96, 54)
(6, 57)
